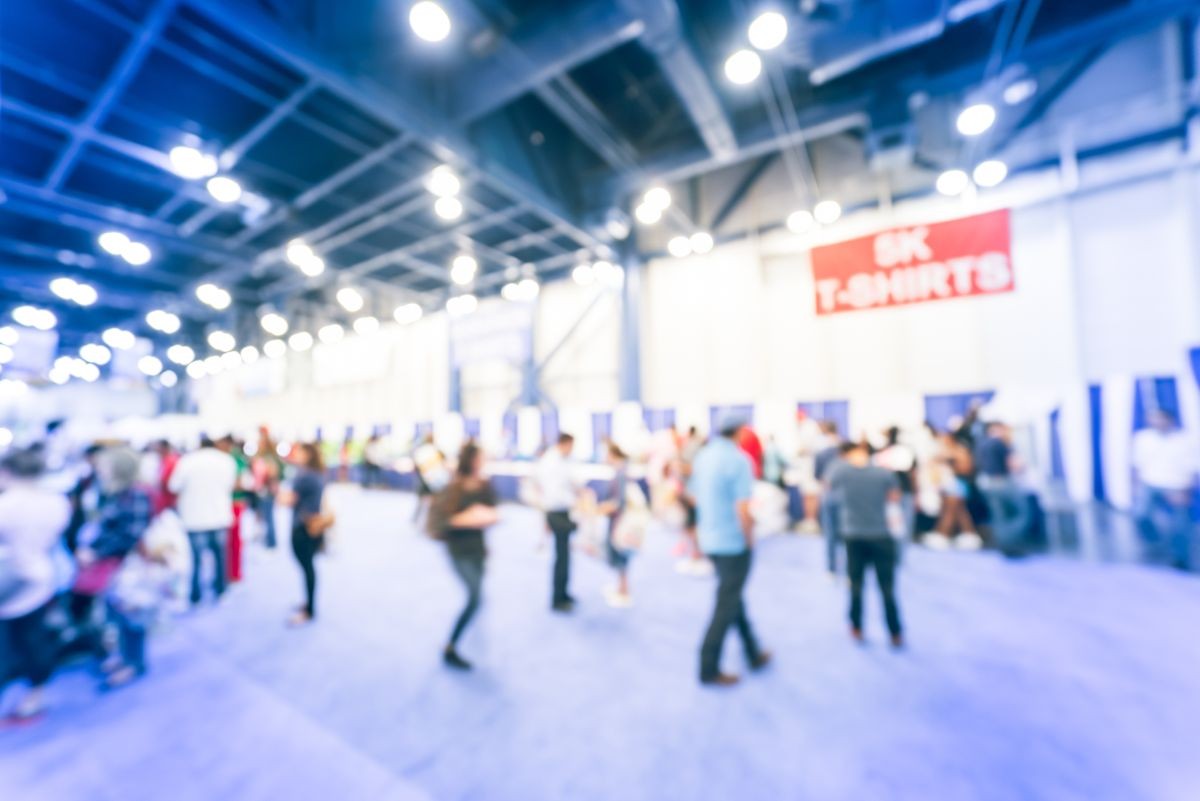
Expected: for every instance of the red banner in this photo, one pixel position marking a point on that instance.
(954, 259)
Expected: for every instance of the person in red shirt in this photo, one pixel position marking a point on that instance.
(749, 442)
(168, 457)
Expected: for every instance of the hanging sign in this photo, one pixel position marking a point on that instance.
(939, 261)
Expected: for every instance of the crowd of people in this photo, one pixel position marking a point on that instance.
(88, 570)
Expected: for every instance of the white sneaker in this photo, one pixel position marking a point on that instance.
(935, 542)
(617, 599)
(968, 541)
(808, 527)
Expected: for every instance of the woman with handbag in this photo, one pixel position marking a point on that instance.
(309, 525)
(613, 507)
(459, 515)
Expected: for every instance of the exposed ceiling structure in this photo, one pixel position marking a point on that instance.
(556, 116)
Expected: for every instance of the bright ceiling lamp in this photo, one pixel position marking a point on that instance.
(800, 222)
(33, 317)
(647, 214)
(212, 295)
(743, 67)
(181, 354)
(658, 197)
(274, 324)
(113, 242)
(137, 254)
(222, 341)
(85, 294)
(249, 354)
(443, 181)
(584, 275)
(274, 348)
(990, 173)
(164, 321)
(301, 255)
(300, 341)
(701, 242)
(224, 189)
(118, 338)
(524, 290)
(6, 354)
(63, 287)
(827, 212)
(188, 162)
(462, 305)
(150, 365)
(168, 379)
(9, 336)
(680, 247)
(95, 353)
(1019, 91)
(608, 274)
(331, 333)
(976, 119)
(462, 272)
(59, 376)
(408, 313)
(448, 208)
(366, 325)
(429, 21)
(953, 183)
(231, 360)
(74, 291)
(213, 365)
(197, 370)
(768, 30)
(350, 298)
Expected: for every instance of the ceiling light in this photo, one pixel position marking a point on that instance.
(647, 214)
(59, 376)
(743, 67)
(448, 208)
(95, 353)
(443, 182)
(657, 197)
(222, 341)
(462, 305)
(429, 21)
(301, 255)
(530, 288)
(608, 273)
(313, 267)
(85, 294)
(463, 270)
(952, 183)
(168, 379)
(408, 313)
(118, 338)
(274, 348)
(249, 354)
(331, 333)
(976, 119)
(827, 212)
(584, 275)
(136, 254)
(150, 365)
(212, 295)
(617, 224)
(300, 341)
(768, 30)
(1018, 92)
(64, 287)
(990, 173)
(231, 360)
(274, 324)
(196, 370)
(163, 321)
(181, 354)
(224, 189)
(350, 298)
(366, 325)
(113, 242)
(9, 336)
(701, 242)
(89, 373)
(33, 317)
(188, 162)
(213, 366)
(680, 247)
(6, 354)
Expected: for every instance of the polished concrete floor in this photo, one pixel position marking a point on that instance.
(1041, 680)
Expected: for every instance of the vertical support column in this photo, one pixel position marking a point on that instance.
(629, 369)
(454, 395)
(530, 392)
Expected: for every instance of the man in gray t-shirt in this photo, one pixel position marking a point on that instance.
(863, 493)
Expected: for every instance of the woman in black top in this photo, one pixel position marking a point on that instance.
(461, 512)
(308, 489)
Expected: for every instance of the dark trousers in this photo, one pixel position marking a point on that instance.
(880, 553)
(305, 547)
(213, 542)
(131, 638)
(730, 610)
(562, 527)
(828, 512)
(31, 645)
(469, 567)
(1164, 523)
(266, 510)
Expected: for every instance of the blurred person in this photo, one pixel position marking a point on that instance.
(612, 507)
(1164, 464)
(32, 519)
(459, 515)
(864, 492)
(1009, 509)
(267, 471)
(241, 499)
(168, 459)
(310, 523)
(775, 464)
(559, 493)
(374, 457)
(954, 477)
(432, 475)
(722, 482)
(826, 459)
(901, 459)
(693, 562)
(926, 448)
(84, 497)
(752, 446)
(204, 481)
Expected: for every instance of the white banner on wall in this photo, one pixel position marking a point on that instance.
(351, 361)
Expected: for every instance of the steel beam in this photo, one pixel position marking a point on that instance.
(741, 190)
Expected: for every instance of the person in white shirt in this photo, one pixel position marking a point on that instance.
(203, 482)
(559, 491)
(1164, 464)
(32, 519)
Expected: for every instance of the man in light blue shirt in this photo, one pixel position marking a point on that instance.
(721, 484)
